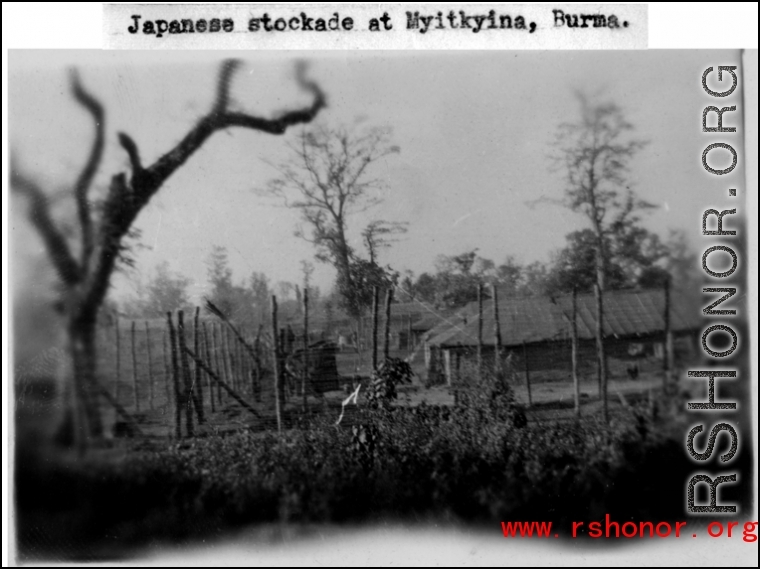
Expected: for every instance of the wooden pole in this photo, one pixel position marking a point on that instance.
(375, 309)
(150, 366)
(480, 331)
(668, 355)
(527, 373)
(187, 395)
(117, 378)
(217, 364)
(216, 378)
(276, 364)
(458, 377)
(175, 378)
(197, 391)
(497, 333)
(387, 335)
(574, 331)
(229, 372)
(409, 337)
(305, 375)
(223, 334)
(241, 365)
(239, 357)
(601, 364)
(281, 364)
(257, 349)
(207, 357)
(135, 391)
(167, 367)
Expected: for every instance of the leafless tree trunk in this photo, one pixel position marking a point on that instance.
(85, 280)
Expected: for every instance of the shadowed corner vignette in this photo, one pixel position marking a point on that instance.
(288, 299)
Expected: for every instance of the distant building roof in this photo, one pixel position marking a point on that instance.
(627, 313)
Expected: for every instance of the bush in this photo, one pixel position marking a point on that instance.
(474, 462)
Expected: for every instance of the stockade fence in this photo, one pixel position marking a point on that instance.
(197, 371)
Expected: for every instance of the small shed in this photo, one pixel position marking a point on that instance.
(323, 365)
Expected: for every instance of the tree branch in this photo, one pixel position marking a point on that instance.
(132, 151)
(220, 118)
(125, 200)
(82, 186)
(39, 215)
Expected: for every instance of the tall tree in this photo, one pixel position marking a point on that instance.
(594, 154)
(327, 177)
(84, 270)
(165, 292)
(260, 295)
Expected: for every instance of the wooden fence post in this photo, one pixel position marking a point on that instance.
(219, 366)
(197, 391)
(305, 375)
(167, 368)
(276, 364)
(667, 361)
(601, 364)
(458, 378)
(150, 366)
(242, 362)
(480, 332)
(497, 334)
(527, 373)
(117, 380)
(387, 335)
(281, 364)
(135, 393)
(375, 309)
(187, 395)
(257, 349)
(175, 378)
(223, 336)
(574, 355)
(216, 378)
(207, 356)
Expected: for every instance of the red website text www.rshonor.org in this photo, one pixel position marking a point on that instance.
(630, 529)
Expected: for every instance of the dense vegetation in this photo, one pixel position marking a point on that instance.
(479, 462)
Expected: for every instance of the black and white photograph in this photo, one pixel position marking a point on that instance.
(274, 299)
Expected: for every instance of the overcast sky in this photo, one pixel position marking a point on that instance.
(474, 130)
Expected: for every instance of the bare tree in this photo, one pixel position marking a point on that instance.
(327, 178)
(85, 274)
(594, 153)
